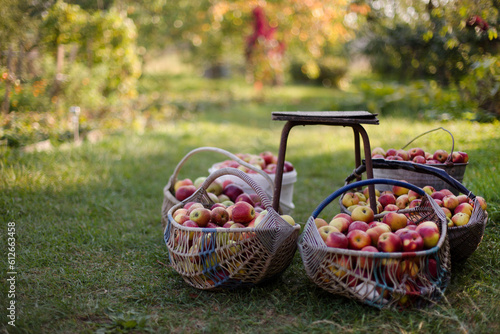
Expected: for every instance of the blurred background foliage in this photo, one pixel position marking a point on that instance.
(436, 59)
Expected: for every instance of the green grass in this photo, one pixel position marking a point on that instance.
(90, 253)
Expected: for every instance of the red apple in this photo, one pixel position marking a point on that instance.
(389, 242)
(219, 216)
(395, 220)
(462, 199)
(233, 191)
(440, 155)
(428, 155)
(464, 208)
(415, 203)
(268, 157)
(193, 206)
(200, 216)
(184, 192)
(336, 240)
(324, 231)
(243, 212)
(192, 224)
(429, 232)
(358, 239)
(432, 269)
(246, 198)
(378, 156)
(416, 152)
(181, 218)
(482, 202)
(419, 160)
(366, 262)
(180, 183)
(403, 154)
(402, 201)
(287, 167)
(450, 202)
(391, 152)
(412, 241)
(438, 195)
(344, 215)
(457, 158)
(465, 156)
(358, 225)
(413, 195)
(376, 231)
(363, 213)
(386, 199)
(447, 192)
(447, 212)
(181, 211)
(391, 207)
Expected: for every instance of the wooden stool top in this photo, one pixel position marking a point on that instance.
(326, 117)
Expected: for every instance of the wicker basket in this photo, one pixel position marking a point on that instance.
(214, 258)
(383, 280)
(169, 199)
(456, 170)
(464, 240)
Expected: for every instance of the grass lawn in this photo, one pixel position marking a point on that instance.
(90, 255)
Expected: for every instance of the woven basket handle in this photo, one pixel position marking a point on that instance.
(177, 169)
(362, 183)
(421, 168)
(448, 160)
(236, 172)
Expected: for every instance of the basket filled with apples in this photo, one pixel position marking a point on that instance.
(214, 246)
(454, 163)
(400, 260)
(465, 212)
(267, 162)
(177, 190)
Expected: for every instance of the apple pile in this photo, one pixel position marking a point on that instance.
(457, 208)
(360, 231)
(241, 214)
(226, 192)
(266, 161)
(418, 155)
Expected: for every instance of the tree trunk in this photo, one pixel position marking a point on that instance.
(20, 61)
(8, 82)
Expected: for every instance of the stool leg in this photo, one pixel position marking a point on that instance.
(368, 161)
(278, 180)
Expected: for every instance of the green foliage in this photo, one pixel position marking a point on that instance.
(448, 43)
(483, 85)
(420, 99)
(327, 71)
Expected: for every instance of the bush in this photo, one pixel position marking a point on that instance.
(328, 71)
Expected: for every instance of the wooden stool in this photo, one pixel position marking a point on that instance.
(353, 119)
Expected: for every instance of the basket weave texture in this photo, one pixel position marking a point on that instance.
(216, 258)
(464, 240)
(382, 280)
(169, 199)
